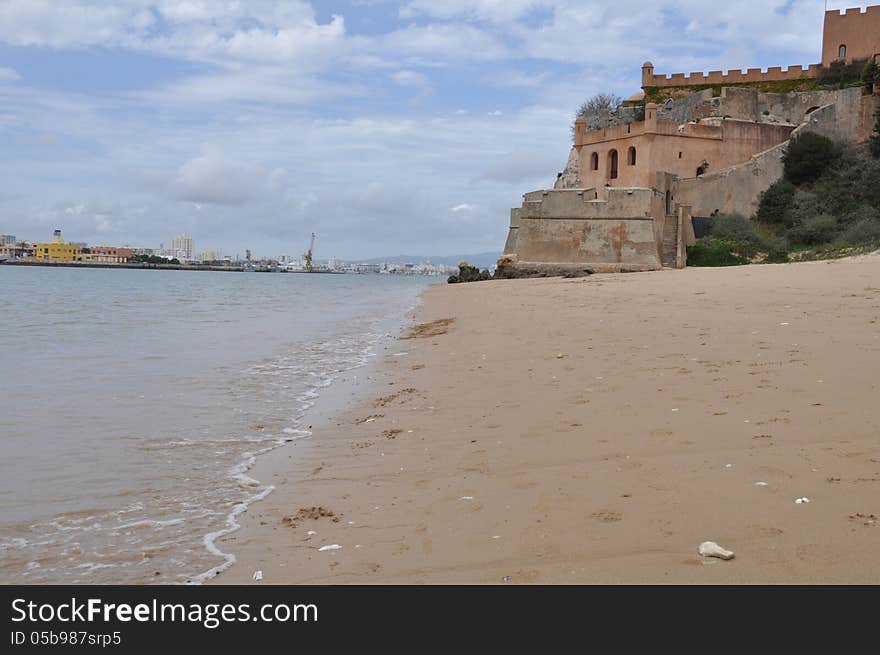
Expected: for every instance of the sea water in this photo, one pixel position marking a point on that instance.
(133, 403)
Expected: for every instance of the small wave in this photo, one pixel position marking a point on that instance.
(151, 523)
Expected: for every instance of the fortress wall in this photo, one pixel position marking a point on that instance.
(512, 232)
(848, 117)
(858, 30)
(610, 133)
(681, 153)
(750, 104)
(559, 228)
(773, 74)
(743, 139)
(737, 189)
(692, 107)
(579, 203)
(851, 118)
(734, 190)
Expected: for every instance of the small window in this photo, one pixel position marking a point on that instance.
(612, 165)
(594, 161)
(841, 51)
(631, 156)
(679, 154)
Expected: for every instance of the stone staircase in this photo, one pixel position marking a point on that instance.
(670, 240)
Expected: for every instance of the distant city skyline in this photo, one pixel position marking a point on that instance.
(183, 249)
(383, 126)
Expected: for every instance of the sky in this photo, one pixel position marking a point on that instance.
(386, 127)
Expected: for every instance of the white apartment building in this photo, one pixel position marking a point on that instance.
(183, 247)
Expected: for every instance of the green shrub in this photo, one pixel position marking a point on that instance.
(736, 228)
(774, 202)
(862, 213)
(804, 205)
(840, 74)
(875, 138)
(869, 74)
(861, 233)
(808, 156)
(718, 252)
(814, 229)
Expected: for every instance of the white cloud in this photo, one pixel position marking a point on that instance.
(410, 78)
(8, 74)
(261, 30)
(213, 178)
(434, 44)
(494, 10)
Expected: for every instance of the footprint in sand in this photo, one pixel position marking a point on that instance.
(427, 542)
(607, 516)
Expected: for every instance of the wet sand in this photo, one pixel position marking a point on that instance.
(597, 430)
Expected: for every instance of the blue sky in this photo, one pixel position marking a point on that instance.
(386, 127)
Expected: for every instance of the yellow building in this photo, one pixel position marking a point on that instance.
(58, 251)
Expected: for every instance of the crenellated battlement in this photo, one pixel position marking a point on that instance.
(751, 75)
(874, 9)
(850, 35)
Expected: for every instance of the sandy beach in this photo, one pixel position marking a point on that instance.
(597, 430)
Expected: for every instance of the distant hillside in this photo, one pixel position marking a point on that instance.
(481, 259)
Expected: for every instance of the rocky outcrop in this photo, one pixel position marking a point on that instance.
(568, 178)
(468, 273)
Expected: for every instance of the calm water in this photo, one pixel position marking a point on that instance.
(133, 403)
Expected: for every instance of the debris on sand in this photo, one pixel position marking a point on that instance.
(258, 575)
(369, 419)
(711, 549)
(330, 547)
(392, 433)
(431, 329)
(309, 514)
(801, 500)
(864, 519)
(384, 400)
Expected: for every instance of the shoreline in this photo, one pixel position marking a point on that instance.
(596, 430)
(345, 390)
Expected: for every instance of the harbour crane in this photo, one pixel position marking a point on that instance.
(307, 258)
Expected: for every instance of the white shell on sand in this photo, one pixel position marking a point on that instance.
(711, 549)
(330, 547)
(258, 575)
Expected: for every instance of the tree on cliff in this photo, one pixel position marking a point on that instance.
(807, 156)
(598, 106)
(875, 138)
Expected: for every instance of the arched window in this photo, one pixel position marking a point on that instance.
(631, 156)
(594, 161)
(841, 51)
(612, 165)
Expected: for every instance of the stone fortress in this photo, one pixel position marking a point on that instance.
(689, 145)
